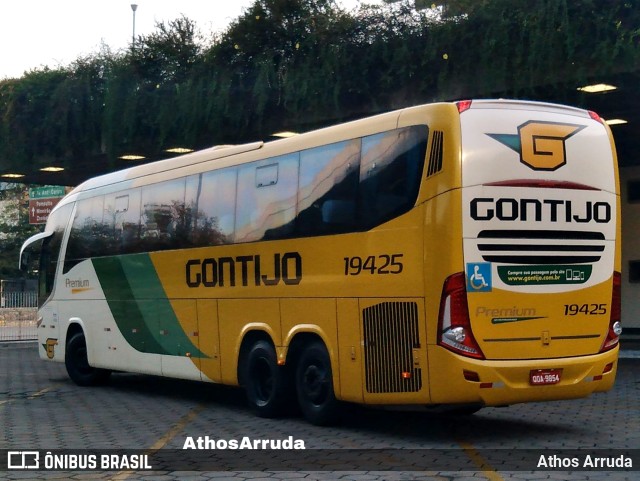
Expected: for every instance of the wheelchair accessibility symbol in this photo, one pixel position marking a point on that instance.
(479, 277)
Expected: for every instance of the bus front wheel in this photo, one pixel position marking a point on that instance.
(314, 385)
(77, 363)
(265, 382)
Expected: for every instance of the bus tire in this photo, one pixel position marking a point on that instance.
(266, 383)
(77, 363)
(314, 385)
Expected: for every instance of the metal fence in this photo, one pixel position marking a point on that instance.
(18, 316)
(18, 299)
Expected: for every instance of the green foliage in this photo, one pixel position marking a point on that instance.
(303, 63)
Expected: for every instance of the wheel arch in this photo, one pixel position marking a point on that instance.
(249, 338)
(74, 326)
(305, 336)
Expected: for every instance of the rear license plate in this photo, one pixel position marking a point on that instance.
(544, 377)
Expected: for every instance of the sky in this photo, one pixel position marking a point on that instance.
(38, 33)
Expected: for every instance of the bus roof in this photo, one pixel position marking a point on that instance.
(211, 153)
(335, 133)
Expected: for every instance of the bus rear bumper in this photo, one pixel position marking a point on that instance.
(455, 379)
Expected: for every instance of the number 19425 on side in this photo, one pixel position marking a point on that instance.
(380, 264)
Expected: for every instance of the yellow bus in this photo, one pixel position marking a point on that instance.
(455, 254)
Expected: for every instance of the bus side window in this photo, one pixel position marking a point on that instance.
(266, 200)
(328, 189)
(390, 173)
(122, 220)
(89, 236)
(211, 204)
(163, 216)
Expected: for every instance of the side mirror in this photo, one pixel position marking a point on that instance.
(25, 255)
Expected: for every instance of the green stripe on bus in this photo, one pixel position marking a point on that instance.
(140, 307)
(123, 305)
(155, 307)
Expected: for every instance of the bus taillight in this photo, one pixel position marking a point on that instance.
(454, 325)
(615, 328)
(463, 105)
(595, 116)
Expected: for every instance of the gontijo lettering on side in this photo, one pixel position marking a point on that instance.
(223, 271)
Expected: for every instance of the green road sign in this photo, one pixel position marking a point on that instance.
(46, 192)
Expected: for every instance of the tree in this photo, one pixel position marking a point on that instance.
(168, 54)
(146, 89)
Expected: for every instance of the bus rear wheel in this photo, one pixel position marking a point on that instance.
(266, 383)
(77, 363)
(314, 385)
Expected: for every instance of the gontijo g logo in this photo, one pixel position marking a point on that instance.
(541, 145)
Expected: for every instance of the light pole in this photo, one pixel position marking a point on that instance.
(134, 7)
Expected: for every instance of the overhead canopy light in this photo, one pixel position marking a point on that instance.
(597, 88)
(132, 157)
(615, 122)
(12, 176)
(285, 134)
(52, 169)
(179, 150)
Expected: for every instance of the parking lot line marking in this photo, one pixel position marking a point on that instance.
(34, 395)
(179, 426)
(168, 436)
(488, 471)
(43, 391)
